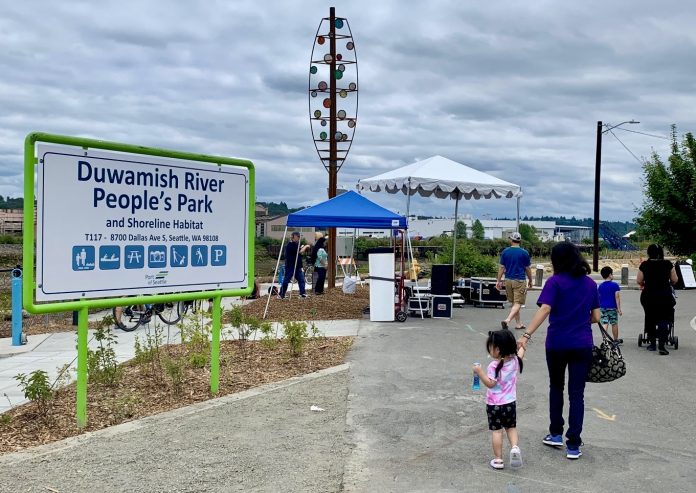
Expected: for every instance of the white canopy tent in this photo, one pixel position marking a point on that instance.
(443, 178)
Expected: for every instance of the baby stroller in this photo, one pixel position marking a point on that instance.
(672, 340)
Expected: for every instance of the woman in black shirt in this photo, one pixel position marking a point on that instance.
(656, 276)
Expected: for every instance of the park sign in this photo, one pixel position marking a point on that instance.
(118, 224)
(129, 220)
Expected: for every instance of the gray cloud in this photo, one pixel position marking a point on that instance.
(513, 89)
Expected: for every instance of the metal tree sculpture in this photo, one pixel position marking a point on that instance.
(333, 102)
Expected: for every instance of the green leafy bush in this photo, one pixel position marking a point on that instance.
(296, 334)
(37, 388)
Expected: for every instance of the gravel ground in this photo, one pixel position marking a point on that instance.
(242, 442)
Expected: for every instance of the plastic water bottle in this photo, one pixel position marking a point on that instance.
(476, 384)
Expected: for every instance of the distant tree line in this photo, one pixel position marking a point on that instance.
(11, 203)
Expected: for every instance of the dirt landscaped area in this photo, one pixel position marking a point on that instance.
(168, 378)
(334, 304)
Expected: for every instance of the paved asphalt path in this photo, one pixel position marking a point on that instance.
(418, 426)
(402, 418)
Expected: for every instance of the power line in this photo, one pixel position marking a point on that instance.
(624, 145)
(643, 133)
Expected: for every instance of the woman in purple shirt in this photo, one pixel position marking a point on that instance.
(570, 301)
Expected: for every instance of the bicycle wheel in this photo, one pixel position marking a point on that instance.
(130, 317)
(168, 312)
(308, 275)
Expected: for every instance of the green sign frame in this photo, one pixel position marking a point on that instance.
(82, 306)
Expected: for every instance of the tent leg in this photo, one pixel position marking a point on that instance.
(454, 239)
(410, 252)
(518, 213)
(275, 274)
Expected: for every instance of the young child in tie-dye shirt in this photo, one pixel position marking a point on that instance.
(501, 379)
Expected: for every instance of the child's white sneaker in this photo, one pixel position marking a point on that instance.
(515, 457)
(497, 464)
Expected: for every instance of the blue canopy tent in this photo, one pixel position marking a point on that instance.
(348, 210)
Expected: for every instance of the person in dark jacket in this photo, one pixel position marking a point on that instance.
(656, 276)
(293, 266)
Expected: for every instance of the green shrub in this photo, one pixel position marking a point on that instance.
(102, 366)
(37, 388)
(296, 334)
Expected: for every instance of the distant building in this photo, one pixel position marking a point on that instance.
(274, 226)
(574, 234)
(11, 221)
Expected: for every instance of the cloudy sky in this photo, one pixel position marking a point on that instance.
(514, 89)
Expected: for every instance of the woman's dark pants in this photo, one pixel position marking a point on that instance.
(321, 277)
(578, 362)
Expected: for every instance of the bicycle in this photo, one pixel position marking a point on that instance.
(132, 316)
(309, 275)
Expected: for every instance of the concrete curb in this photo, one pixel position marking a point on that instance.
(42, 450)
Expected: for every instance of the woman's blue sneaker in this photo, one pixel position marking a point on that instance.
(573, 452)
(553, 440)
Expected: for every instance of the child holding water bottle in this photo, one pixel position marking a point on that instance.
(501, 380)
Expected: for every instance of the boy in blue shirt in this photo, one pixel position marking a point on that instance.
(610, 302)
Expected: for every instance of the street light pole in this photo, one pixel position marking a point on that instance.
(598, 169)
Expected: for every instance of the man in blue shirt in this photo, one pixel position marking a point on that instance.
(515, 264)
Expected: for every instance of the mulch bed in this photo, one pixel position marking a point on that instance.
(143, 391)
(42, 324)
(334, 304)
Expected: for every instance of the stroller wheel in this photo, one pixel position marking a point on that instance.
(675, 342)
(640, 340)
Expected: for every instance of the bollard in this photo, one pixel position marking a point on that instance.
(539, 278)
(17, 308)
(624, 274)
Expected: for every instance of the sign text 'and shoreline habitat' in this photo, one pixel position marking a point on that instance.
(113, 223)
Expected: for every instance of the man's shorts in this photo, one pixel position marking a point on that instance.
(516, 291)
(609, 316)
(502, 415)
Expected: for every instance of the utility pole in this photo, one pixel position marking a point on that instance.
(595, 223)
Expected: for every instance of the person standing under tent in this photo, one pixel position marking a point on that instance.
(515, 264)
(320, 264)
(293, 266)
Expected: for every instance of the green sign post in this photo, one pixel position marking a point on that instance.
(91, 198)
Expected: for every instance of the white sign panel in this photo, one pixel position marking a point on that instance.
(688, 276)
(113, 224)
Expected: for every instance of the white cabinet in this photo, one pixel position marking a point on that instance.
(381, 287)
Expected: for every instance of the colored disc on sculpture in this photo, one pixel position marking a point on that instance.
(314, 94)
(342, 68)
(341, 114)
(352, 86)
(323, 136)
(320, 40)
(327, 103)
(339, 57)
(313, 69)
(343, 93)
(350, 45)
(351, 123)
(344, 137)
(339, 23)
(323, 123)
(317, 114)
(327, 58)
(322, 86)
(339, 135)
(338, 74)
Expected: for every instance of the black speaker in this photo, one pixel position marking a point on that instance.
(441, 279)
